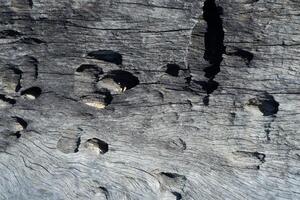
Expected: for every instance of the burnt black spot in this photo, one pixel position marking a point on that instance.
(173, 69)
(7, 99)
(209, 86)
(34, 91)
(268, 105)
(9, 34)
(123, 78)
(107, 55)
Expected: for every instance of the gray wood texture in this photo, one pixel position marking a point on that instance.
(149, 99)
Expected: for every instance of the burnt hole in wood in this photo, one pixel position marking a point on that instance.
(268, 105)
(21, 121)
(214, 37)
(209, 86)
(96, 144)
(173, 69)
(32, 93)
(30, 40)
(177, 195)
(7, 99)
(124, 78)
(214, 45)
(107, 55)
(9, 34)
(18, 134)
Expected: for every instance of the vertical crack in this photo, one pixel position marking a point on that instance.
(214, 44)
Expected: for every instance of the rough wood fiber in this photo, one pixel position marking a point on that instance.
(149, 99)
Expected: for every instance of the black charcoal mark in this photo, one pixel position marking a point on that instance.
(96, 143)
(107, 55)
(124, 78)
(6, 34)
(33, 41)
(267, 105)
(7, 99)
(18, 134)
(33, 91)
(214, 45)
(21, 121)
(177, 195)
(209, 86)
(173, 69)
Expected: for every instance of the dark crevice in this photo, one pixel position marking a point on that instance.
(177, 195)
(246, 55)
(105, 192)
(30, 2)
(214, 45)
(77, 144)
(173, 69)
(267, 105)
(32, 60)
(7, 99)
(33, 91)
(96, 143)
(30, 40)
(21, 121)
(125, 79)
(107, 55)
(173, 175)
(260, 156)
(18, 72)
(9, 34)
(94, 69)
